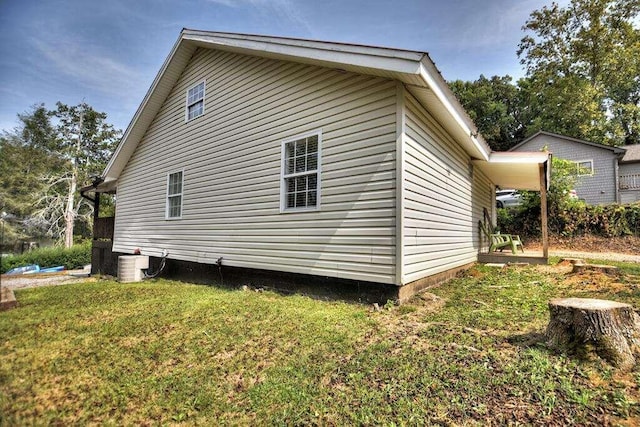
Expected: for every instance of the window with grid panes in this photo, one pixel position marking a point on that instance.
(195, 101)
(301, 174)
(174, 195)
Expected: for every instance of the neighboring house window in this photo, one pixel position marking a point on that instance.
(195, 101)
(174, 195)
(301, 172)
(584, 167)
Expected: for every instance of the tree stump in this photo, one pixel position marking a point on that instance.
(572, 260)
(606, 269)
(612, 328)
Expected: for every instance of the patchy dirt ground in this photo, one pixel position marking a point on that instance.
(420, 323)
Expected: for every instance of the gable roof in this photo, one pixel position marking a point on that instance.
(414, 69)
(615, 150)
(632, 154)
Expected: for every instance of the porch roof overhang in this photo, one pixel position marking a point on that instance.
(517, 170)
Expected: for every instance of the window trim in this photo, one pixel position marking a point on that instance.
(167, 195)
(186, 100)
(283, 175)
(577, 162)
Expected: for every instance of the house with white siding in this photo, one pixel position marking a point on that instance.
(302, 157)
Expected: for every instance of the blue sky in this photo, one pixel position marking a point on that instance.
(107, 52)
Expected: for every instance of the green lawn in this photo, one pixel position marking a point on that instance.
(163, 352)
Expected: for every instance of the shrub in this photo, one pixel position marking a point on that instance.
(75, 257)
(574, 219)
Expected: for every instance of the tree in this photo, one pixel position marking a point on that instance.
(23, 165)
(495, 106)
(83, 143)
(582, 61)
(567, 105)
(45, 160)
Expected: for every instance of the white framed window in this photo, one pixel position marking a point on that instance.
(195, 101)
(584, 167)
(174, 195)
(301, 167)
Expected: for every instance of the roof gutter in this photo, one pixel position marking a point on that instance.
(91, 188)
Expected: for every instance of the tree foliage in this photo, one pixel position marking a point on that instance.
(583, 65)
(83, 142)
(46, 160)
(23, 165)
(583, 78)
(495, 106)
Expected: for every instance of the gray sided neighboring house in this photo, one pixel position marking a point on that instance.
(598, 174)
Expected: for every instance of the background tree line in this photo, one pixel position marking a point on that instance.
(582, 78)
(43, 164)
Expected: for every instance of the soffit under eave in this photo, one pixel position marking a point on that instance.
(517, 175)
(400, 69)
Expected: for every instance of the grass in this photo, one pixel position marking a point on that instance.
(164, 352)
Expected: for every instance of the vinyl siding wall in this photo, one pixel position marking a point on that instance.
(231, 159)
(443, 199)
(594, 189)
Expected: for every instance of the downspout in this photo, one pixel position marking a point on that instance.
(96, 200)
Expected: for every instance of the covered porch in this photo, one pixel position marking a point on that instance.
(519, 171)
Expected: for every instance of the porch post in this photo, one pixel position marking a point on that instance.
(543, 211)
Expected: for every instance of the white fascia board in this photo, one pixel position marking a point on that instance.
(522, 157)
(439, 87)
(320, 53)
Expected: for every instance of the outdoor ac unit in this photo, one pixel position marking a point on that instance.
(130, 267)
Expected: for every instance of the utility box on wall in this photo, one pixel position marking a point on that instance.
(130, 268)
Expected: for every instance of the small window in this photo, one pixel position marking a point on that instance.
(195, 101)
(584, 167)
(301, 173)
(174, 195)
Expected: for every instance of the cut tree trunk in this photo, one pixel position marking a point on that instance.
(606, 269)
(611, 328)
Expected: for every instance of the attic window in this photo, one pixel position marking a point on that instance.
(195, 101)
(301, 173)
(174, 195)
